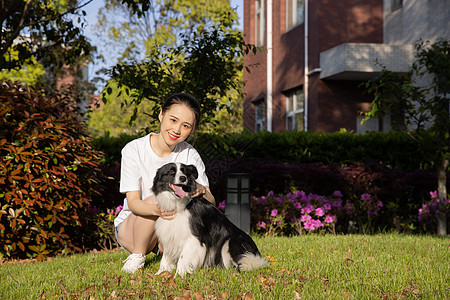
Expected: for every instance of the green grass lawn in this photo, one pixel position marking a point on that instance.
(386, 266)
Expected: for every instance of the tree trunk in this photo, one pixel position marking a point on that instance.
(442, 189)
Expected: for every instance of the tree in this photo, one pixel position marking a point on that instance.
(31, 72)
(43, 30)
(189, 46)
(421, 111)
(112, 118)
(132, 31)
(43, 41)
(206, 71)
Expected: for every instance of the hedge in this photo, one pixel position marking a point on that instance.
(394, 149)
(307, 147)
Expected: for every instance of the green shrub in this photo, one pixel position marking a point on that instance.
(48, 173)
(394, 149)
(306, 147)
(112, 146)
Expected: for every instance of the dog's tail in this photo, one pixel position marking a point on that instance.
(251, 261)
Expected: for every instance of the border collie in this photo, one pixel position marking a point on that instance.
(199, 236)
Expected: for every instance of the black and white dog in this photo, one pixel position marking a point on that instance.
(199, 236)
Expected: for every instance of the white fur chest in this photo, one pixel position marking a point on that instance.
(173, 234)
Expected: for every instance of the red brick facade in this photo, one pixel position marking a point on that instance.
(332, 104)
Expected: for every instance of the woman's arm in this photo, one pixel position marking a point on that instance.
(146, 208)
(205, 192)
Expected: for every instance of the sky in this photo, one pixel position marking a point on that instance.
(91, 19)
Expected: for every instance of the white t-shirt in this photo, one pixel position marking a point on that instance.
(139, 165)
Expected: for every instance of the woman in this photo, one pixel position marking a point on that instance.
(141, 158)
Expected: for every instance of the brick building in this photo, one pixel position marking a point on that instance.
(342, 41)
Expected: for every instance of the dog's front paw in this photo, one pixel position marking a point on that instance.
(165, 269)
(183, 270)
(165, 265)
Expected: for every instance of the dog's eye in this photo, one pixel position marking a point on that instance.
(171, 172)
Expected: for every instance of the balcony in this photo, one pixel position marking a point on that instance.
(361, 61)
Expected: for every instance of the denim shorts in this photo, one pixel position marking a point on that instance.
(116, 232)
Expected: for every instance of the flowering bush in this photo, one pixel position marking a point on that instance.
(371, 205)
(295, 213)
(428, 212)
(99, 229)
(362, 213)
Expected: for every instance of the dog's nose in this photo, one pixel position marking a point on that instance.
(182, 178)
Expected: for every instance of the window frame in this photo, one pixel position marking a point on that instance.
(260, 115)
(396, 5)
(296, 110)
(292, 13)
(260, 22)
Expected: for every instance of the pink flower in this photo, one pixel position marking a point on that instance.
(320, 212)
(434, 194)
(301, 195)
(261, 224)
(310, 225)
(329, 219)
(118, 209)
(327, 205)
(305, 218)
(297, 205)
(308, 209)
(274, 213)
(318, 223)
(365, 197)
(221, 205)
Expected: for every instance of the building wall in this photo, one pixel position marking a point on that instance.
(255, 81)
(335, 104)
(288, 53)
(332, 105)
(417, 19)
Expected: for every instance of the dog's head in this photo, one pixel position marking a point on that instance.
(177, 178)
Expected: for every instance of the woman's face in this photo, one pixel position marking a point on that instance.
(176, 123)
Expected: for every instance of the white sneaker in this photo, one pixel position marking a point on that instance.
(133, 262)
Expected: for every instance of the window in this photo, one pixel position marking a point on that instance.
(260, 115)
(374, 124)
(260, 23)
(294, 13)
(370, 125)
(396, 4)
(295, 110)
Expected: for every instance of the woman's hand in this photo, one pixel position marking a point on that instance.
(159, 212)
(167, 215)
(203, 191)
(147, 208)
(200, 192)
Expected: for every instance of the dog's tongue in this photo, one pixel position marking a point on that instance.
(178, 190)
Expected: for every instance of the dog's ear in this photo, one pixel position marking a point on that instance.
(193, 170)
(157, 177)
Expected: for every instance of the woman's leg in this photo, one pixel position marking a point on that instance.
(137, 234)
